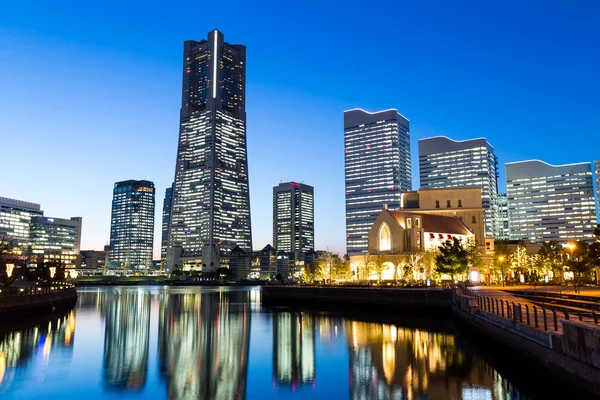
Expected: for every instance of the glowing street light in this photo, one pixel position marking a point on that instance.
(9, 269)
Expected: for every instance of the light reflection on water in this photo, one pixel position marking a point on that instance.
(205, 343)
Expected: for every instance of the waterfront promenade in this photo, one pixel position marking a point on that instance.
(20, 300)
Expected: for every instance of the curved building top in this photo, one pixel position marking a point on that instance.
(358, 116)
(538, 168)
(441, 144)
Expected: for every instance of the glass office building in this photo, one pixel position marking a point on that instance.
(56, 239)
(132, 225)
(550, 202)
(293, 217)
(503, 217)
(211, 201)
(15, 219)
(597, 173)
(446, 163)
(166, 221)
(377, 169)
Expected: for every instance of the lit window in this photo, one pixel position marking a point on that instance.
(385, 238)
(408, 223)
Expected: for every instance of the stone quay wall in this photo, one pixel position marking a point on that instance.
(17, 306)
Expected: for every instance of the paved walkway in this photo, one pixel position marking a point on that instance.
(497, 293)
(583, 291)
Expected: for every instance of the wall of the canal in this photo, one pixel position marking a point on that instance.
(349, 298)
(574, 354)
(14, 308)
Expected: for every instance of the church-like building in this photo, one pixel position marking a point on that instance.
(427, 219)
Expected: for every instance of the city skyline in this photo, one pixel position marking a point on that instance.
(81, 61)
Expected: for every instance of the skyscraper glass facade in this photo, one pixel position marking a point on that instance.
(446, 163)
(597, 173)
(503, 217)
(15, 219)
(548, 202)
(166, 221)
(56, 239)
(132, 225)
(211, 202)
(293, 217)
(377, 169)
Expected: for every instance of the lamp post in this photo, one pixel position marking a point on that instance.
(571, 247)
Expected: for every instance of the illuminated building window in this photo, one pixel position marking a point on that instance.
(409, 223)
(385, 238)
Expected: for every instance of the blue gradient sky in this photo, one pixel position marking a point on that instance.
(90, 92)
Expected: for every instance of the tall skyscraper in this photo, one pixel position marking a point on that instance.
(293, 217)
(550, 202)
(56, 239)
(211, 201)
(446, 163)
(132, 225)
(597, 172)
(377, 168)
(503, 217)
(166, 221)
(15, 219)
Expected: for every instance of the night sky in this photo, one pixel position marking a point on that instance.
(90, 91)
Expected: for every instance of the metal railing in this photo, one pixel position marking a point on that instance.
(534, 316)
(36, 290)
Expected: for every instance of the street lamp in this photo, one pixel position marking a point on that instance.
(571, 247)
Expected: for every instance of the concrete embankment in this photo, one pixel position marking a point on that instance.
(359, 297)
(16, 307)
(572, 351)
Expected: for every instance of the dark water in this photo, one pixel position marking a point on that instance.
(198, 343)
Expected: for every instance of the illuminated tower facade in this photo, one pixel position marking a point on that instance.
(597, 172)
(377, 169)
(447, 163)
(132, 225)
(211, 202)
(293, 217)
(550, 202)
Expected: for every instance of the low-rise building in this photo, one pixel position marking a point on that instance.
(398, 233)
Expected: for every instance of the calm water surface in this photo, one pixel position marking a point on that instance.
(205, 343)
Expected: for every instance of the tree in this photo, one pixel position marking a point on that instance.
(473, 253)
(379, 265)
(594, 252)
(452, 259)
(552, 256)
(398, 260)
(369, 262)
(580, 261)
(341, 269)
(12, 262)
(520, 260)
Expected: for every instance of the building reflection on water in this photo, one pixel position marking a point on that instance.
(32, 351)
(203, 344)
(293, 348)
(390, 362)
(126, 339)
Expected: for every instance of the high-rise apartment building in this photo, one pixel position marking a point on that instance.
(293, 217)
(446, 163)
(15, 219)
(377, 169)
(550, 202)
(504, 230)
(166, 221)
(211, 202)
(597, 173)
(132, 225)
(56, 239)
